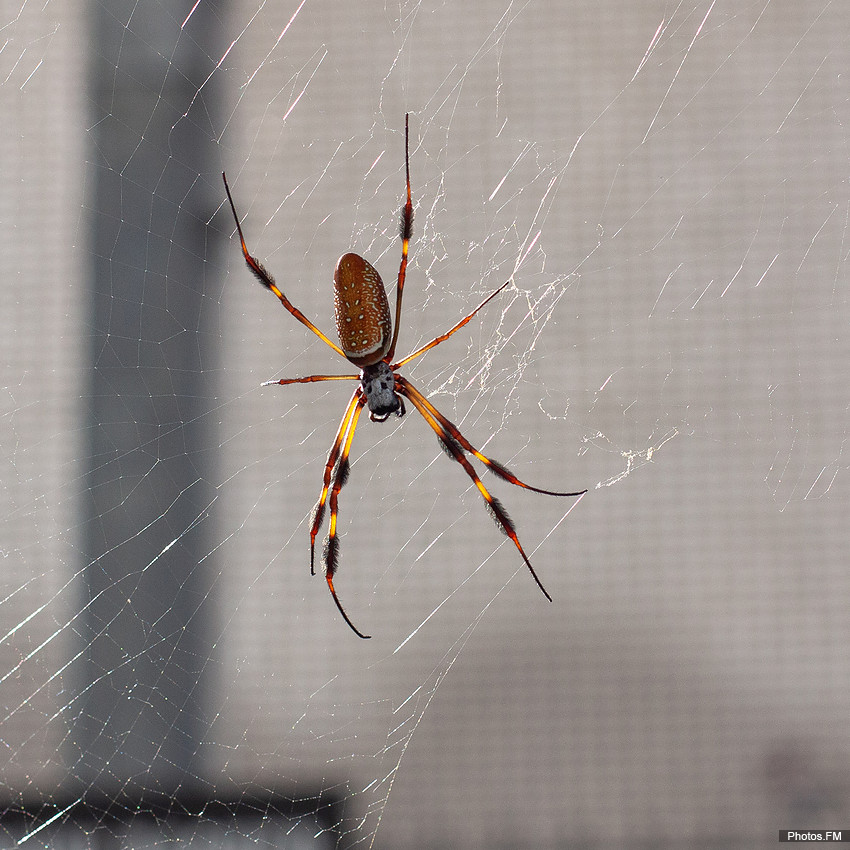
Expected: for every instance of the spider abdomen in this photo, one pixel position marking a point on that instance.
(363, 320)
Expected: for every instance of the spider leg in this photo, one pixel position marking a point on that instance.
(443, 337)
(310, 379)
(495, 467)
(454, 450)
(405, 231)
(331, 548)
(268, 281)
(318, 513)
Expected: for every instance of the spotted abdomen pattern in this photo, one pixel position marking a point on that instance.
(363, 319)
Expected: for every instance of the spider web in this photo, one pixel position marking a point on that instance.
(666, 185)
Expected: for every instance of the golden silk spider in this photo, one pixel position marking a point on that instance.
(368, 340)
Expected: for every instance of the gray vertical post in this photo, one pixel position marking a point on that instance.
(142, 706)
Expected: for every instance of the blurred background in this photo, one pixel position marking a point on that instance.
(666, 183)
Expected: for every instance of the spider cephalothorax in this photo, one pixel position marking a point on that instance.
(378, 382)
(368, 341)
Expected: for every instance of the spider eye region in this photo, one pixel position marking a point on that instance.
(363, 320)
(378, 382)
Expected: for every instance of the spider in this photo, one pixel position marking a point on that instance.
(368, 340)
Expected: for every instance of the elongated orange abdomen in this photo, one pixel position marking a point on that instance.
(363, 319)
